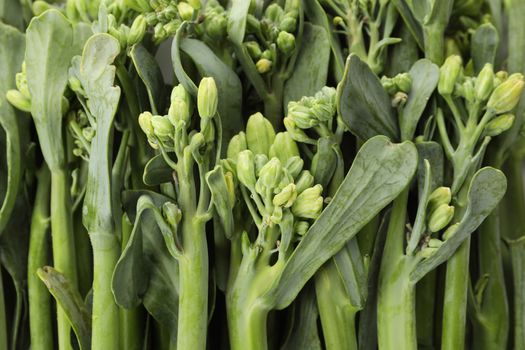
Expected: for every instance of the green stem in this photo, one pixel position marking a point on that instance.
(456, 288)
(38, 295)
(248, 328)
(425, 303)
(396, 315)
(273, 103)
(336, 313)
(131, 325)
(64, 256)
(491, 330)
(3, 321)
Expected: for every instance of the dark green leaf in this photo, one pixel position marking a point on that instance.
(363, 103)
(71, 302)
(484, 46)
(157, 171)
(151, 76)
(379, 173)
(349, 263)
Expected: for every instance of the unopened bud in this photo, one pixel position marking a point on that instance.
(288, 23)
(301, 227)
(145, 123)
(236, 145)
(260, 134)
(283, 147)
(448, 74)
(162, 128)
(185, 11)
(286, 42)
(450, 231)
(441, 195)
(304, 181)
(18, 100)
(427, 252)
(301, 114)
(499, 124)
(294, 166)
(246, 169)
(254, 50)
(435, 243)
(286, 197)
(137, 30)
(484, 82)
(440, 217)
(270, 174)
(309, 203)
(181, 105)
(296, 133)
(507, 95)
(260, 160)
(274, 13)
(263, 65)
(207, 98)
(172, 214)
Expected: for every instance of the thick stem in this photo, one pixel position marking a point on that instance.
(38, 295)
(3, 321)
(193, 299)
(247, 327)
(425, 303)
(491, 328)
(64, 256)
(105, 313)
(396, 313)
(336, 313)
(273, 104)
(434, 43)
(455, 301)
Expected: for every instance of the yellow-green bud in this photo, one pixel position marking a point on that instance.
(246, 169)
(260, 134)
(301, 227)
(230, 185)
(288, 23)
(162, 128)
(267, 54)
(296, 133)
(40, 7)
(427, 252)
(338, 20)
(435, 243)
(507, 95)
(172, 214)
(294, 165)
(286, 197)
(21, 84)
(450, 231)
(137, 30)
(196, 4)
(499, 124)
(237, 144)
(271, 173)
(263, 65)
(254, 50)
(440, 217)
(18, 100)
(309, 203)
(286, 42)
(300, 112)
(448, 74)
(441, 195)
(207, 98)
(196, 141)
(274, 13)
(145, 123)
(181, 106)
(484, 82)
(283, 147)
(304, 181)
(185, 11)
(88, 133)
(276, 217)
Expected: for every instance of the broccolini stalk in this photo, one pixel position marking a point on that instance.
(187, 218)
(270, 267)
(39, 298)
(50, 45)
(92, 77)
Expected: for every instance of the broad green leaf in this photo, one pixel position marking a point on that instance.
(317, 16)
(228, 85)
(410, 20)
(304, 334)
(11, 13)
(12, 46)
(96, 74)
(311, 68)
(151, 76)
(71, 302)
(237, 20)
(324, 162)
(486, 190)
(157, 171)
(364, 104)
(50, 46)
(380, 171)
(433, 152)
(401, 57)
(349, 263)
(425, 76)
(484, 46)
(146, 271)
